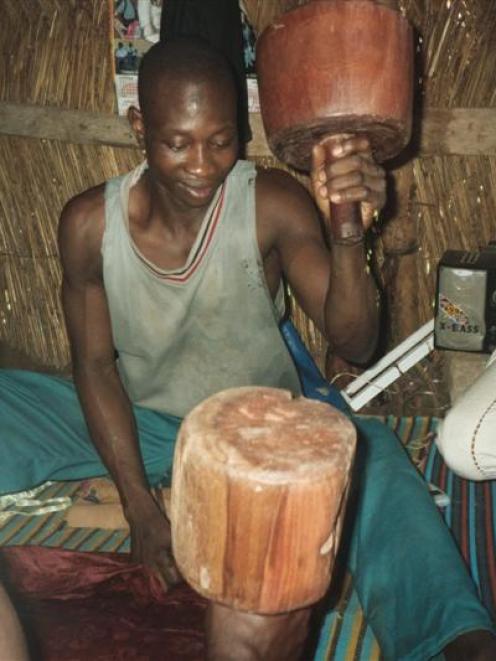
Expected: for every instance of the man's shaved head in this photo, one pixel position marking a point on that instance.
(185, 59)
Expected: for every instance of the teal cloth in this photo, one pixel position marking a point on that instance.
(413, 587)
(415, 602)
(43, 434)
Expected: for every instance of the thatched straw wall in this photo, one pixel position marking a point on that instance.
(57, 53)
(452, 200)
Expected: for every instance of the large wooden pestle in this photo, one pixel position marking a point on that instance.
(332, 68)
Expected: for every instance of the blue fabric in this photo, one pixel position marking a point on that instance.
(43, 434)
(313, 383)
(415, 602)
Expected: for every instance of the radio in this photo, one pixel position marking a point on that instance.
(465, 318)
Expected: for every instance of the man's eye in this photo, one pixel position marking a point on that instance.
(176, 148)
(222, 144)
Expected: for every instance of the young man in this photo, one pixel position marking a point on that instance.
(177, 268)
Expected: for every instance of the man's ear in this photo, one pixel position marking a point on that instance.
(135, 119)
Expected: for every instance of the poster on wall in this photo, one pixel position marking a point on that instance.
(135, 27)
(249, 54)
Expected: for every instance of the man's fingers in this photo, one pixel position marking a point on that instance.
(318, 159)
(318, 178)
(348, 174)
(354, 163)
(157, 573)
(350, 194)
(161, 565)
(172, 576)
(318, 174)
(341, 147)
(168, 569)
(166, 573)
(354, 183)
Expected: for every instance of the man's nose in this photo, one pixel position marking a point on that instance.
(200, 161)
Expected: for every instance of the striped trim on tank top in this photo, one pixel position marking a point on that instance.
(183, 274)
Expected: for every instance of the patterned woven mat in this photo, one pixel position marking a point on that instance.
(471, 515)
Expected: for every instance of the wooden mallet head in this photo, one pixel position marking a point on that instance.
(332, 68)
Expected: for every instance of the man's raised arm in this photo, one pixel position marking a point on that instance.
(352, 300)
(331, 281)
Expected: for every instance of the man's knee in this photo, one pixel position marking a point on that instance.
(236, 636)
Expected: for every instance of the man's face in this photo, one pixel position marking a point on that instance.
(191, 139)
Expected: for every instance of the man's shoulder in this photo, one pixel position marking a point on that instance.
(278, 193)
(88, 205)
(278, 182)
(82, 223)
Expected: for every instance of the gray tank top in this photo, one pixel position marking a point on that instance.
(188, 333)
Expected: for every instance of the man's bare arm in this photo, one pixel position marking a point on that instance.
(352, 177)
(106, 406)
(332, 284)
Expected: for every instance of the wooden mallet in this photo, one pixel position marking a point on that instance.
(333, 68)
(259, 491)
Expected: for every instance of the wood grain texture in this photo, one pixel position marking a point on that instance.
(76, 126)
(462, 131)
(440, 131)
(258, 497)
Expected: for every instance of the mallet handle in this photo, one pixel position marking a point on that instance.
(346, 219)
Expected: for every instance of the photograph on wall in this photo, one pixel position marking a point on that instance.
(135, 28)
(249, 55)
